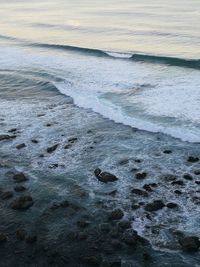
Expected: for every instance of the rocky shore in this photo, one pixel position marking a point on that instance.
(79, 190)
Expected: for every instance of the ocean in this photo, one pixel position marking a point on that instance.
(134, 63)
(94, 84)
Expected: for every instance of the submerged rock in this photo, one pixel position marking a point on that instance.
(20, 146)
(20, 177)
(116, 214)
(192, 159)
(155, 205)
(139, 192)
(19, 188)
(52, 148)
(105, 177)
(178, 182)
(22, 203)
(6, 137)
(167, 151)
(34, 141)
(171, 205)
(140, 175)
(190, 243)
(188, 177)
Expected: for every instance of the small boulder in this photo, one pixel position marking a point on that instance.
(19, 188)
(192, 159)
(34, 141)
(171, 205)
(190, 243)
(6, 137)
(139, 192)
(116, 214)
(188, 177)
(105, 177)
(52, 148)
(197, 172)
(22, 203)
(140, 175)
(167, 151)
(20, 146)
(178, 182)
(155, 205)
(20, 177)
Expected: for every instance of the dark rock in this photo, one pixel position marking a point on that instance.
(22, 203)
(67, 146)
(112, 193)
(32, 238)
(155, 205)
(178, 192)
(134, 170)
(192, 159)
(169, 177)
(12, 130)
(41, 155)
(197, 182)
(48, 125)
(20, 146)
(123, 161)
(140, 175)
(153, 185)
(34, 141)
(19, 188)
(3, 238)
(19, 177)
(139, 192)
(190, 243)
(116, 214)
(188, 177)
(147, 257)
(52, 148)
(171, 205)
(178, 182)
(167, 151)
(21, 234)
(53, 166)
(138, 160)
(197, 172)
(148, 188)
(116, 244)
(91, 260)
(105, 177)
(6, 194)
(72, 140)
(6, 137)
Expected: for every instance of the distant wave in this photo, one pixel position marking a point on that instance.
(137, 57)
(173, 61)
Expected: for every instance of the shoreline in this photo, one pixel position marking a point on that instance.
(72, 217)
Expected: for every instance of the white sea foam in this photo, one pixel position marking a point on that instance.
(149, 97)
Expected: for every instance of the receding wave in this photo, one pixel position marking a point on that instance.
(173, 61)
